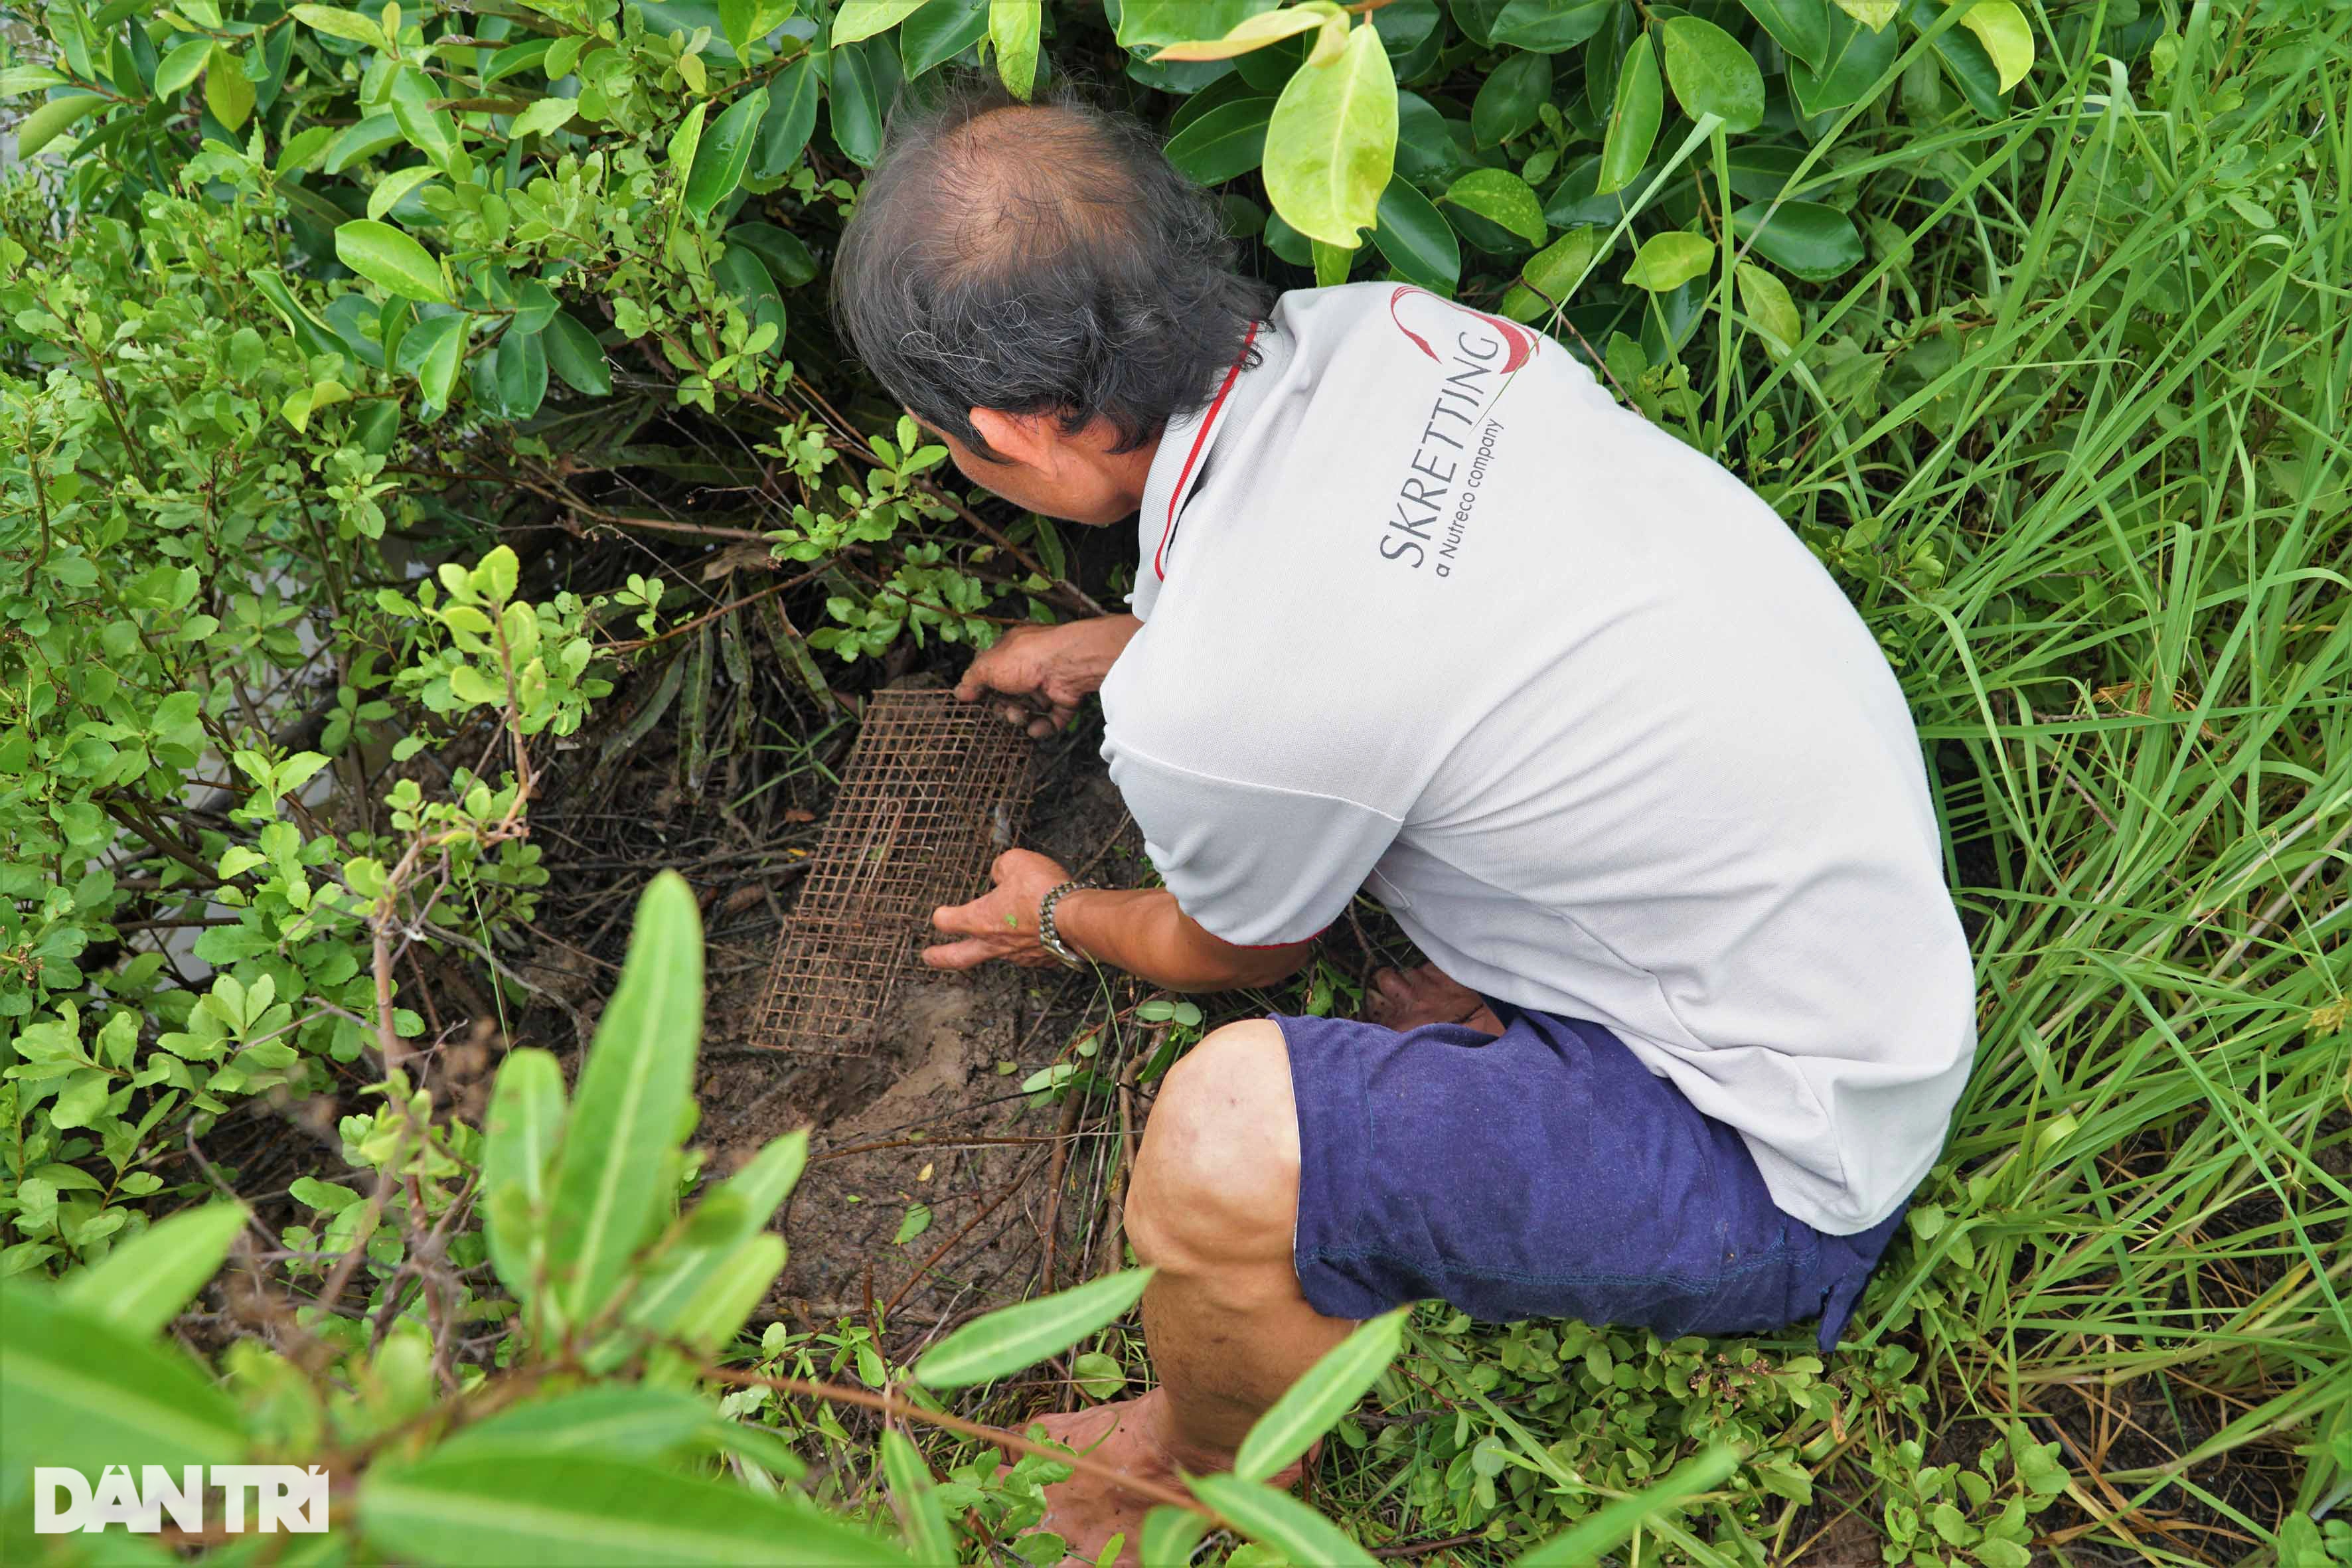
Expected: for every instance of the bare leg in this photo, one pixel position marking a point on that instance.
(1408, 998)
(1212, 1205)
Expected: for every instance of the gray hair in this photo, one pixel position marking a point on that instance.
(1039, 259)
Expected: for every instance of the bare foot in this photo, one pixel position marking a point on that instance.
(1128, 1436)
(1406, 999)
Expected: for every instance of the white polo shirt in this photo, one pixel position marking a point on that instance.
(1428, 614)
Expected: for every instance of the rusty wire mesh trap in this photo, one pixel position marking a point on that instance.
(932, 791)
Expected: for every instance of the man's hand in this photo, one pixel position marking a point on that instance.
(1054, 668)
(1002, 922)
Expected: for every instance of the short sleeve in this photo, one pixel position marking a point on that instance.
(1256, 866)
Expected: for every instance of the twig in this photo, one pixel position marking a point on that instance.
(834, 1392)
(1423, 1548)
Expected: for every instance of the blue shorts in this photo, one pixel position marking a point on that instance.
(1547, 1174)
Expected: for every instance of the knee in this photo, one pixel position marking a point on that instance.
(1216, 1179)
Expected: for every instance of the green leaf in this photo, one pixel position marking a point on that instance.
(390, 260)
(1227, 140)
(1766, 300)
(736, 18)
(518, 1141)
(1872, 13)
(1550, 25)
(1096, 1375)
(544, 115)
(856, 107)
(1333, 143)
(1802, 27)
(1634, 123)
(1014, 1337)
(1143, 23)
(1280, 1520)
(1013, 29)
(1552, 273)
(394, 187)
(916, 1220)
(1963, 60)
(1249, 35)
(749, 1200)
(534, 307)
(1667, 261)
(618, 1421)
(53, 120)
(1854, 60)
(791, 115)
(939, 31)
(182, 66)
(499, 1510)
(1328, 1390)
(684, 141)
(432, 350)
(1501, 197)
(337, 23)
(84, 1393)
(1711, 73)
(744, 276)
(574, 353)
(1806, 239)
(788, 259)
(2006, 36)
(632, 1093)
(1510, 98)
(365, 140)
(82, 1100)
(918, 1502)
(1613, 1522)
(1415, 239)
(229, 92)
(17, 80)
(718, 1311)
(1170, 1534)
(863, 18)
(515, 57)
(148, 1280)
(724, 153)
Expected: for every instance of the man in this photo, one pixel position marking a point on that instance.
(1420, 611)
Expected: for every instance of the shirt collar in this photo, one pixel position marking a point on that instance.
(1183, 456)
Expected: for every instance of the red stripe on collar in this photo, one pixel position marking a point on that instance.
(1199, 440)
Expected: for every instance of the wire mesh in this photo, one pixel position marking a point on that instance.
(932, 791)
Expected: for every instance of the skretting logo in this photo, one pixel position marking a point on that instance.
(286, 1497)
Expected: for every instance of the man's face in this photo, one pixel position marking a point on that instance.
(1048, 470)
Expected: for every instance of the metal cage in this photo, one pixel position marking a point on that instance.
(932, 791)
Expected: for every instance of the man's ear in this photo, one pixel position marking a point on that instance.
(1019, 440)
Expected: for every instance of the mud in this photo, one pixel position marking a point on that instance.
(934, 1117)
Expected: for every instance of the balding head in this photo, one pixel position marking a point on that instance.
(1039, 259)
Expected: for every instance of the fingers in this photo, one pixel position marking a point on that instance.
(959, 919)
(967, 955)
(1040, 728)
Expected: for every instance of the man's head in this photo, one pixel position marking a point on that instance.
(1038, 285)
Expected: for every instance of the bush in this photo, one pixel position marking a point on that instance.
(323, 331)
